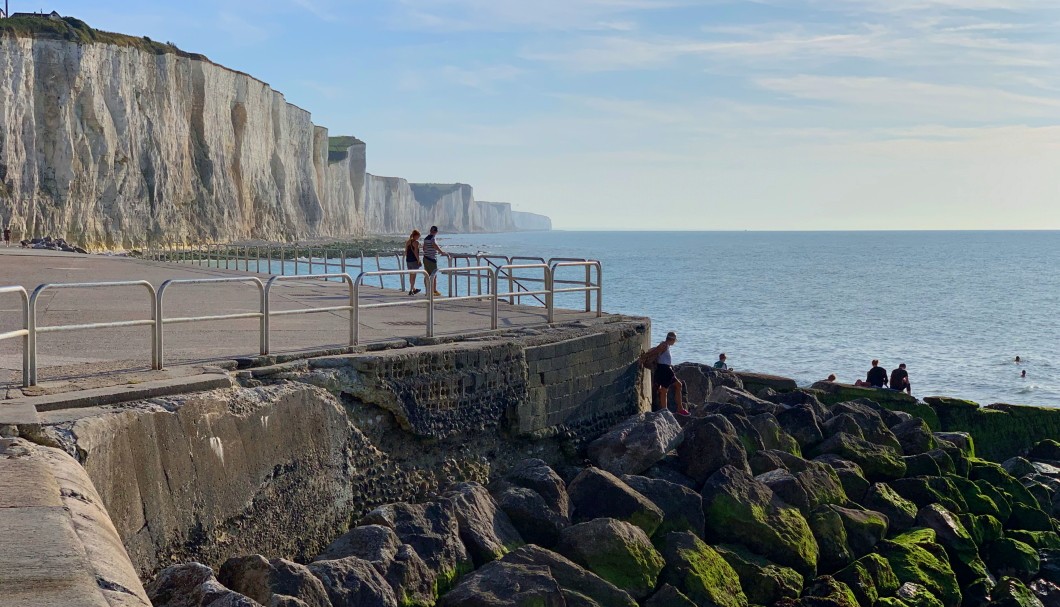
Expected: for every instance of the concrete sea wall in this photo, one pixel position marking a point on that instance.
(286, 462)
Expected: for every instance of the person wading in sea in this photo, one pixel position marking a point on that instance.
(412, 259)
(659, 360)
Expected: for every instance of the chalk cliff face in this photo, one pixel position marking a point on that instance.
(112, 146)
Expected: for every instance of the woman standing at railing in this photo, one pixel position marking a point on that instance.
(412, 259)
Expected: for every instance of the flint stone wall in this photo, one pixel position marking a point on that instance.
(283, 468)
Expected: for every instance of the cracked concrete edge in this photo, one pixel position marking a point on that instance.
(17, 411)
(68, 551)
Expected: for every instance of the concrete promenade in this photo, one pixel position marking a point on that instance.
(86, 359)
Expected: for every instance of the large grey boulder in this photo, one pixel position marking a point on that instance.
(398, 563)
(700, 380)
(503, 584)
(618, 552)
(596, 493)
(914, 436)
(869, 419)
(486, 530)
(636, 444)
(802, 424)
(354, 582)
(750, 404)
(265, 581)
(682, 507)
(710, 443)
(193, 585)
(433, 530)
(763, 582)
(571, 576)
(879, 462)
(536, 522)
(851, 476)
(900, 512)
(537, 475)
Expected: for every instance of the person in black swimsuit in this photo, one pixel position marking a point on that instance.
(412, 259)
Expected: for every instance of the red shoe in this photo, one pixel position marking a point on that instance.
(683, 412)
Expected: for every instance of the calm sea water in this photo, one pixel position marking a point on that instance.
(956, 307)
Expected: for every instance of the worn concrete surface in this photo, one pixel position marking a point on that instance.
(102, 357)
(62, 550)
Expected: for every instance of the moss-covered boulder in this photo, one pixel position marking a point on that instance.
(996, 476)
(1028, 518)
(501, 584)
(900, 512)
(826, 591)
(571, 576)
(1001, 500)
(597, 493)
(1039, 540)
(710, 443)
(917, 558)
(982, 527)
(699, 572)
(819, 482)
(1046, 450)
(877, 461)
(864, 528)
(762, 581)
(1011, 592)
(891, 601)
(870, 578)
(773, 435)
(616, 551)
(926, 490)
(958, 542)
(975, 500)
(1010, 557)
(831, 536)
(921, 464)
(831, 393)
(741, 510)
(916, 595)
(851, 476)
(784, 485)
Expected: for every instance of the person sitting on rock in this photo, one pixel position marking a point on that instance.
(830, 379)
(875, 378)
(900, 380)
(721, 362)
(663, 376)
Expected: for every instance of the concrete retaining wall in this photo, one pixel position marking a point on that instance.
(284, 463)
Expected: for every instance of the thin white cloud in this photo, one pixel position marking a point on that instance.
(509, 15)
(485, 79)
(913, 100)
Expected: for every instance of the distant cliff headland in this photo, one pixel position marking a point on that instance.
(114, 141)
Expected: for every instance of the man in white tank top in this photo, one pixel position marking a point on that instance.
(663, 377)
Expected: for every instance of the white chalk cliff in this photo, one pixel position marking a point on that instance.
(112, 145)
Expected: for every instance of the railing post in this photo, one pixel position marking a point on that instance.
(33, 336)
(600, 289)
(159, 347)
(430, 308)
(493, 300)
(355, 328)
(266, 329)
(353, 306)
(310, 256)
(550, 297)
(588, 291)
(342, 261)
(401, 265)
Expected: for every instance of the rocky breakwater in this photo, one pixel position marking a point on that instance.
(771, 499)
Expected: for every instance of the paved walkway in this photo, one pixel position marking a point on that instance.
(93, 358)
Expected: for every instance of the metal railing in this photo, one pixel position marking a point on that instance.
(24, 332)
(269, 312)
(35, 330)
(357, 307)
(163, 321)
(158, 321)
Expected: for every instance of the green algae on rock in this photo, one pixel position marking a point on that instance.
(916, 557)
(699, 572)
(762, 581)
(870, 578)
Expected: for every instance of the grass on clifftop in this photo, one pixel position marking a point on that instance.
(74, 30)
(338, 146)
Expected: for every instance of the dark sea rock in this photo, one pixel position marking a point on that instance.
(682, 507)
(502, 584)
(636, 444)
(193, 585)
(571, 576)
(596, 493)
(354, 582)
(699, 572)
(763, 582)
(262, 580)
(710, 443)
(485, 529)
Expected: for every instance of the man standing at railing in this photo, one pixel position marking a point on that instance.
(431, 251)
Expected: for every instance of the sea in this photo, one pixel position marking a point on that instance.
(955, 307)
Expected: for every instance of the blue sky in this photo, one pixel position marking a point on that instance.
(670, 114)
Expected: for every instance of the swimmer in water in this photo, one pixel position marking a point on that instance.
(1024, 374)
(1017, 360)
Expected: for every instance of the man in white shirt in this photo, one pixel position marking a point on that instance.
(663, 376)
